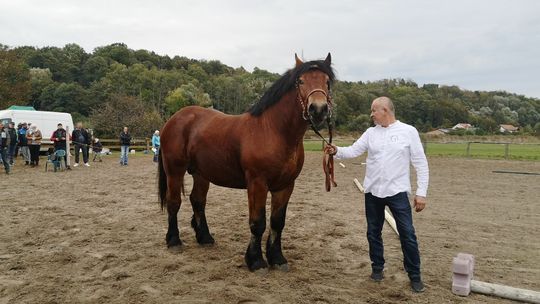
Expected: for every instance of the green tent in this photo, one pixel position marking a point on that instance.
(21, 108)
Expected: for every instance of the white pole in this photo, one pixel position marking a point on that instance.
(68, 161)
(342, 165)
(391, 221)
(506, 292)
(359, 185)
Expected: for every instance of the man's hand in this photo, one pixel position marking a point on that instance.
(419, 203)
(330, 149)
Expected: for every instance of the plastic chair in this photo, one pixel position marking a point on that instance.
(56, 160)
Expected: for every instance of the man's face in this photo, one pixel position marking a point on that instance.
(125, 129)
(59, 127)
(79, 126)
(1, 125)
(378, 113)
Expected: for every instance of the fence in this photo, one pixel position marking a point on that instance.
(472, 149)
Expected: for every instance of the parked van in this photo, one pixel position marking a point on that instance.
(46, 121)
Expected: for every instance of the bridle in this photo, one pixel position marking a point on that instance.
(328, 159)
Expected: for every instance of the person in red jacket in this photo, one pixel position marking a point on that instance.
(59, 139)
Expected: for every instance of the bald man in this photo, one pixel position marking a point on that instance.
(391, 146)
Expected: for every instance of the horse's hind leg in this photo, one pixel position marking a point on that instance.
(198, 203)
(280, 200)
(173, 200)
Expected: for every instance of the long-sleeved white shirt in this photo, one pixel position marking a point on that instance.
(390, 150)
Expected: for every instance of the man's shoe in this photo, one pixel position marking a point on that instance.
(75, 164)
(417, 286)
(87, 164)
(377, 276)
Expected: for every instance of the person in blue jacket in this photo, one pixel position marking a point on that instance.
(155, 145)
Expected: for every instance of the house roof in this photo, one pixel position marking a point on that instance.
(462, 125)
(509, 127)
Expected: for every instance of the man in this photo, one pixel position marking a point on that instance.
(59, 139)
(13, 137)
(125, 142)
(81, 140)
(4, 144)
(23, 144)
(391, 146)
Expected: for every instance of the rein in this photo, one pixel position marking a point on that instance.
(328, 160)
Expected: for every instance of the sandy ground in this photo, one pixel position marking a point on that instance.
(96, 235)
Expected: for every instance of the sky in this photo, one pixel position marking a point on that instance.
(474, 44)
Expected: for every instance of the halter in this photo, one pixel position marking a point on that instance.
(328, 160)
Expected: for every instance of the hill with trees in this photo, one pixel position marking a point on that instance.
(115, 85)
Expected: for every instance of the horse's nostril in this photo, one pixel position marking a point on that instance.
(312, 109)
(324, 108)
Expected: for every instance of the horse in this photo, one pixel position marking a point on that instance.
(260, 150)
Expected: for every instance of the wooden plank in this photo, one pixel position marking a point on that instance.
(506, 292)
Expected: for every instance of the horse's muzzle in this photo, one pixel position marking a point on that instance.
(318, 112)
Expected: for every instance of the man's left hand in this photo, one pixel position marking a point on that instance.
(419, 203)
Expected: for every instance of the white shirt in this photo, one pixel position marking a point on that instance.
(391, 150)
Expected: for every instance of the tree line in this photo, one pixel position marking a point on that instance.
(114, 86)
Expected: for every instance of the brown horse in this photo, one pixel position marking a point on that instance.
(261, 150)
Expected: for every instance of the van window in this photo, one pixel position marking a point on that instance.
(5, 121)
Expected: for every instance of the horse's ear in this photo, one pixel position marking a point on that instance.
(298, 61)
(328, 60)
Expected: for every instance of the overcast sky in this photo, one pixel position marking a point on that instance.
(477, 45)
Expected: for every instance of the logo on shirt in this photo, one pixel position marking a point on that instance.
(394, 138)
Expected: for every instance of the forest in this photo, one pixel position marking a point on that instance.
(115, 86)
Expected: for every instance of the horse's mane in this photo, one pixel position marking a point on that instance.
(287, 82)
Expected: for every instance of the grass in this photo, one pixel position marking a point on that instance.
(477, 150)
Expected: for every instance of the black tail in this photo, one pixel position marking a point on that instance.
(162, 181)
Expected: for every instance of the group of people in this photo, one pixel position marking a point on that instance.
(26, 139)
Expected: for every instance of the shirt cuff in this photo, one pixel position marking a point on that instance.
(421, 192)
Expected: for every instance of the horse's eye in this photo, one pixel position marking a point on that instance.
(300, 81)
(328, 84)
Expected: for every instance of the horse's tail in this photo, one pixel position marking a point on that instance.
(162, 180)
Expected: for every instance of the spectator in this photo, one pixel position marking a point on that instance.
(23, 144)
(97, 147)
(4, 143)
(59, 139)
(125, 142)
(12, 132)
(33, 136)
(81, 141)
(155, 145)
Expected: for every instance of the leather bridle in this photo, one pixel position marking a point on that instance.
(328, 159)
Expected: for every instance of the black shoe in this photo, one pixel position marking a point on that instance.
(377, 276)
(417, 286)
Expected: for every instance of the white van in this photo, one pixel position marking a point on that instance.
(46, 121)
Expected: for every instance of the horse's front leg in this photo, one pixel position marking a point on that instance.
(257, 192)
(280, 200)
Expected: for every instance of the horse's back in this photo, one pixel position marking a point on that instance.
(207, 142)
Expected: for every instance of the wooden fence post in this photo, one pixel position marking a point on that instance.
(506, 150)
(468, 149)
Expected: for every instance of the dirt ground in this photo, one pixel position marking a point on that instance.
(96, 235)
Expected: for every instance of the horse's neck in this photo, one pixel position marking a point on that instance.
(285, 117)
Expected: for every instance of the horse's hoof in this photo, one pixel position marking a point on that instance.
(206, 241)
(282, 267)
(261, 271)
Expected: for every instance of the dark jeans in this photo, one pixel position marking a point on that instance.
(3, 155)
(401, 210)
(12, 153)
(84, 153)
(34, 154)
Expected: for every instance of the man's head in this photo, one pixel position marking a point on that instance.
(1, 125)
(79, 125)
(156, 132)
(125, 129)
(59, 126)
(382, 111)
(12, 124)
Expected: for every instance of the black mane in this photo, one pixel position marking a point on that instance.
(287, 82)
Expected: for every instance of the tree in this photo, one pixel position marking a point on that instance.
(186, 95)
(15, 85)
(121, 110)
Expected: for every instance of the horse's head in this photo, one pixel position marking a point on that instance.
(314, 92)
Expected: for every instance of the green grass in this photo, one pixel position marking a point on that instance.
(477, 150)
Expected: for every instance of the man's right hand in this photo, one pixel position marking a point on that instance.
(330, 149)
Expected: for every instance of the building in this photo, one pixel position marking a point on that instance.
(508, 129)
